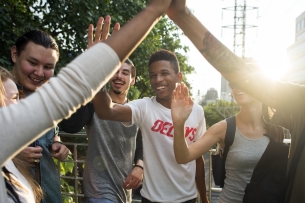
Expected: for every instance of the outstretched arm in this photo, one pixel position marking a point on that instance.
(232, 67)
(126, 36)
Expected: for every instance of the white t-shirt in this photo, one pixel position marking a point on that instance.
(26, 194)
(164, 179)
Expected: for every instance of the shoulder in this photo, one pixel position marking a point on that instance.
(197, 110)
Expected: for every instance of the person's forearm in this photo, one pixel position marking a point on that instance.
(212, 49)
(78, 120)
(180, 146)
(200, 179)
(232, 67)
(74, 85)
(103, 105)
(133, 33)
(139, 147)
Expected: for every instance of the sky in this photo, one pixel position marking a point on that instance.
(275, 20)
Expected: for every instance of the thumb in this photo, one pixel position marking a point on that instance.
(55, 147)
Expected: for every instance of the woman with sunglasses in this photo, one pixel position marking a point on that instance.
(244, 153)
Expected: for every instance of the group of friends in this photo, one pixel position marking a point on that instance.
(170, 126)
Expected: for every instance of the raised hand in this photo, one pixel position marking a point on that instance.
(101, 32)
(159, 5)
(176, 8)
(181, 105)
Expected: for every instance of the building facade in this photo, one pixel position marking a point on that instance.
(296, 54)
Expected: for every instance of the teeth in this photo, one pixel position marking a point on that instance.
(121, 83)
(35, 80)
(160, 87)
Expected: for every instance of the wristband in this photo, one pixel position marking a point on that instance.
(136, 165)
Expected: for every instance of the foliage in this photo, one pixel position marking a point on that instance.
(16, 18)
(215, 112)
(67, 21)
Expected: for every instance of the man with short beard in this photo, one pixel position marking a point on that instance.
(109, 174)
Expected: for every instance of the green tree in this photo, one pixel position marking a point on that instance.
(67, 21)
(215, 112)
(15, 18)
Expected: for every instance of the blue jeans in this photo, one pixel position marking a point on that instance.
(97, 200)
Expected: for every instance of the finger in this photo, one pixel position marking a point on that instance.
(36, 160)
(137, 185)
(191, 101)
(37, 156)
(178, 89)
(98, 29)
(106, 27)
(90, 35)
(185, 92)
(174, 95)
(116, 28)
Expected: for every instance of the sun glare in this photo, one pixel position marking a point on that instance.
(273, 61)
(274, 68)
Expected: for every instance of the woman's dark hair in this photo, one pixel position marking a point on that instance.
(38, 37)
(274, 131)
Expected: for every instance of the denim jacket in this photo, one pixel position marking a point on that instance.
(48, 175)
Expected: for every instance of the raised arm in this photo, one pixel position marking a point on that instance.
(76, 84)
(181, 108)
(232, 67)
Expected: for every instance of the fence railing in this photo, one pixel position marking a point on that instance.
(72, 178)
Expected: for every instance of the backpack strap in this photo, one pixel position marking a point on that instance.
(229, 138)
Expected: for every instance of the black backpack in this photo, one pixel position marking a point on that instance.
(218, 160)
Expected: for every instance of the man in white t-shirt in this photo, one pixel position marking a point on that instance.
(164, 179)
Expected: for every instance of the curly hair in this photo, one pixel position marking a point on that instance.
(165, 55)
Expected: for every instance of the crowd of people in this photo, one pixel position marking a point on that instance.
(156, 142)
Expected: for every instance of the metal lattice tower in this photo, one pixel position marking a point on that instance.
(240, 25)
(239, 20)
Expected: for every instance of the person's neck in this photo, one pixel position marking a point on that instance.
(118, 98)
(164, 102)
(251, 115)
(26, 92)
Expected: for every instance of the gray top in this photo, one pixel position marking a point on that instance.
(109, 159)
(241, 160)
(111, 148)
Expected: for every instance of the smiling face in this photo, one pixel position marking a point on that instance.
(34, 66)
(11, 92)
(163, 80)
(122, 80)
(242, 98)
